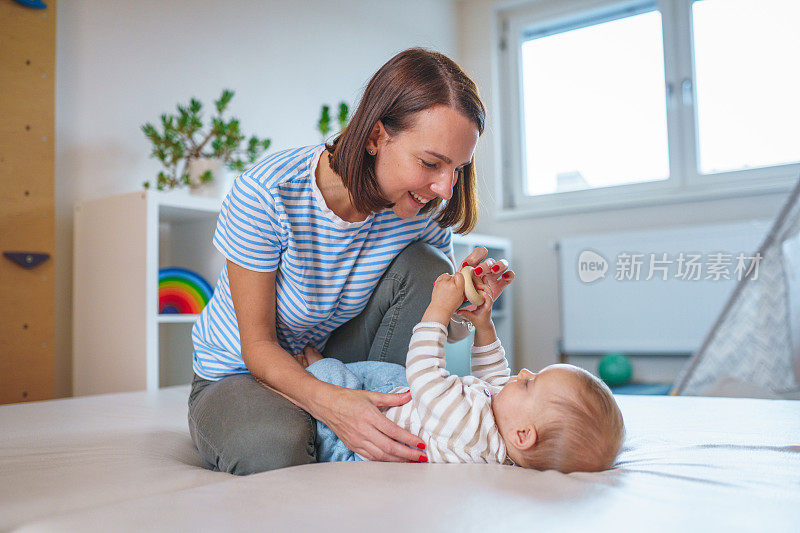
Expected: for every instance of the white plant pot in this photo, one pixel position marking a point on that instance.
(218, 187)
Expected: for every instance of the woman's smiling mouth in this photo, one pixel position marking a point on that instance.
(419, 200)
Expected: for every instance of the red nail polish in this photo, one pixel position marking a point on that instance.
(423, 458)
(506, 275)
(478, 271)
(496, 268)
(464, 264)
(421, 445)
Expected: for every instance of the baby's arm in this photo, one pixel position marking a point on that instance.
(427, 376)
(432, 386)
(488, 359)
(489, 364)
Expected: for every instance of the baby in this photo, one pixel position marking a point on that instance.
(561, 418)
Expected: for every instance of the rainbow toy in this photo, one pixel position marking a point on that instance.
(181, 291)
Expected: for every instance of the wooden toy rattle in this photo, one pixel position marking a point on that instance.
(470, 279)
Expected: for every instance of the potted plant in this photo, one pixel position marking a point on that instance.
(324, 122)
(193, 155)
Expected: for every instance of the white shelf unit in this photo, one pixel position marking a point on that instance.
(458, 354)
(120, 342)
(177, 319)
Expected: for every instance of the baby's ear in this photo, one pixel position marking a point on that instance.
(525, 438)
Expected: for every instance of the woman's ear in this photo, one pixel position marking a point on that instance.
(376, 137)
(525, 438)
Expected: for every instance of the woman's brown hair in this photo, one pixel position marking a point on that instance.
(411, 81)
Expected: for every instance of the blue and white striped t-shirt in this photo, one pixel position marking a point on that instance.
(275, 217)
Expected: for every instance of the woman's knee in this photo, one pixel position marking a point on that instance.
(259, 449)
(241, 427)
(421, 261)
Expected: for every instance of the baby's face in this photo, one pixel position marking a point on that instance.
(525, 394)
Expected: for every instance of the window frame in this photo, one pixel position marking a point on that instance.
(685, 182)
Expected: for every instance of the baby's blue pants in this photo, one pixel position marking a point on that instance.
(375, 376)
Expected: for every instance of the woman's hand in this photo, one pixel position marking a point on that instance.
(495, 274)
(354, 417)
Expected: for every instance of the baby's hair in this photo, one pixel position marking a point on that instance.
(585, 436)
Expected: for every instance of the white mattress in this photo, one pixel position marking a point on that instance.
(126, 462)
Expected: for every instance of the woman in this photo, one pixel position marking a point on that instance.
(336, 246)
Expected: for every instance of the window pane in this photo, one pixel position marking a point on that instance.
(748, 83)
(595, 106)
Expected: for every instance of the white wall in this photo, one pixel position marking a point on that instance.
(121, 64)
(536, 304)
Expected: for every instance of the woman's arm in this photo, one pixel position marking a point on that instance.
(253, 295)
(352, 415)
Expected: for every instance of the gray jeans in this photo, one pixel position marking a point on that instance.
(242, 428)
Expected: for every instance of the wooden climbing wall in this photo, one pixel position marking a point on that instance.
(27, 199)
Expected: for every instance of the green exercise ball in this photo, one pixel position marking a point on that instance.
(615, 369)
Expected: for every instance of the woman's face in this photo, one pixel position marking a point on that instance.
(424, 161)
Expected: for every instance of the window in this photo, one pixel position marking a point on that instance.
(748, 92)
(606, 103)
(593, 104)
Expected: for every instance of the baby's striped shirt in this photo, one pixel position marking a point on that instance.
(452, 414)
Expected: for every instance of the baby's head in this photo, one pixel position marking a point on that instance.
(561, 418)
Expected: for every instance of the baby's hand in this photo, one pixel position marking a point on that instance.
(480, 315)
(448, 292)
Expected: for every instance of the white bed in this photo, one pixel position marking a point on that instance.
(126, 462)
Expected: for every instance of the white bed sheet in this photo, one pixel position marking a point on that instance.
(125, 462)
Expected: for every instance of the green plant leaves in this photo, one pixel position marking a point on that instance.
(223, 101)
(342, 119)
(324, 122)
(178, 145)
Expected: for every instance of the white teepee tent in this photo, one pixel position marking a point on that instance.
(753, 349)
